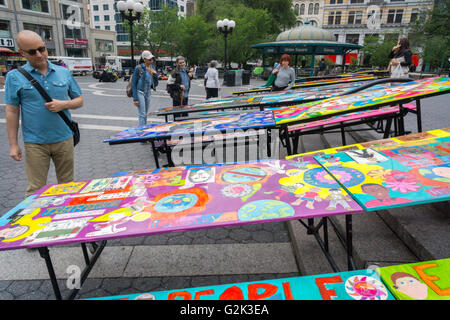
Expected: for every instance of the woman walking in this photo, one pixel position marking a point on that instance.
(212, 83)
(144, 79)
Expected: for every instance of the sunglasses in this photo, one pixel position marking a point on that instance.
(34, 51)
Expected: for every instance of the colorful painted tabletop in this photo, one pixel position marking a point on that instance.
(389, 142)
(411, 173)
(261, 119)
(286, 96)
(173, 200)
(360, 100)
(351, 285)
(314, 83)
(426, 280)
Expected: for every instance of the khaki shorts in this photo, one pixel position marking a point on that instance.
(37, 163)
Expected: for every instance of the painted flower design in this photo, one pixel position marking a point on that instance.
(340, 175)
(403, 186)
(403, 182)
(237, 190)
(362, 287)
(379, 174)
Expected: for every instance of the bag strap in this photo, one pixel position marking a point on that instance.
(43, 93)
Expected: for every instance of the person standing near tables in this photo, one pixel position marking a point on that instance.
(179, 83)
(400, 55)
(45, 134)
(322, 67)
(144, 79)
(285, 74)
(212, 83)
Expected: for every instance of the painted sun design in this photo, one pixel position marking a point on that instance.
(365, 288)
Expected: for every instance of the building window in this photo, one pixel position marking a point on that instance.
(106, 18)
(334, 17)
(395, 16)
(95, 7)
(36, 5)
(97, 27)
(105, 7)
(356, 1)
(316, 8)
(371, 12)
(181, 8)
(302, 9)
(96, 18)
(414, 15)
(336, 37)
(310, 8)
(4, 29)
(335, 1)
(3, 3)
(74, 33)
(107, 28)
(355, 17)
(45, 32)
(352, 38)
(68, 11)
(331, 17)
(296, 9)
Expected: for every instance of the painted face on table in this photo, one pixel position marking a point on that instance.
(376, 190)
(409, 285)
(442, 172)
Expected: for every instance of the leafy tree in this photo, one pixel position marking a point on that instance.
(156, 30)
(250, 29)
(431, 35)
(191, 38)
(377, 51)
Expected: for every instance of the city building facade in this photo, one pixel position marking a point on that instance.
(103, 44)
(309, 10)
(62, 24)
(352, 20)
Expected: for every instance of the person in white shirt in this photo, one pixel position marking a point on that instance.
(212, 83)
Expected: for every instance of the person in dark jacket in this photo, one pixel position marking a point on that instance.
(179, 83)
(401, 54)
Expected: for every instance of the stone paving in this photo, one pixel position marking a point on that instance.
(95, 159)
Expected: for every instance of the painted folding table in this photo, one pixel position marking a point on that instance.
(362, 101)
(189, 129)
(173, 200)
(391, 176)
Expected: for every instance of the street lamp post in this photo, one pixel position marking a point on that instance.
(225, 27)
(131, 11)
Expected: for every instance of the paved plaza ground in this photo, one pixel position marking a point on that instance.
(204, 257)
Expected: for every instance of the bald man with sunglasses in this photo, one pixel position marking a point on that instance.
(46, 136)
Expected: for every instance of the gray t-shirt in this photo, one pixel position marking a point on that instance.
(284, 76)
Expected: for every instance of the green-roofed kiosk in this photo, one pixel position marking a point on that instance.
(307, 40)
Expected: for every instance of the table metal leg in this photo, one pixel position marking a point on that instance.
(419, 116)
(44, 252)
(155, 153)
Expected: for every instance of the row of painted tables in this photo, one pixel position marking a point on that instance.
(390, 102)
(389, 173)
